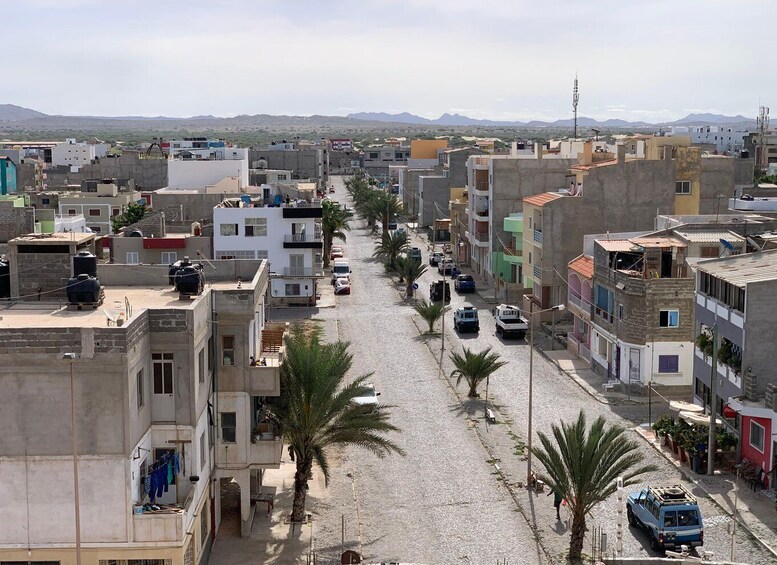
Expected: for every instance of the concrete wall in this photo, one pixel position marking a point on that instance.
(148, 174)
(15, 221)
(721, 175)
(760, 314)
(426, 148)
(434, 195)
(186, 174)
(304, 163)
(215, 271)
(120, 246)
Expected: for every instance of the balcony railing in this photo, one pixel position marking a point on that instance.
(481, 185)
(301, 238)
(265, 380)
(577, 301)
(482, 213)
(481, 236)
(169, 525)
(538, 236)
(537, 272)
(303, 271)
(266, 450)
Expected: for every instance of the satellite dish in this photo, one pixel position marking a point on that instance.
(112, 315)
(754, 243)
(726, 244)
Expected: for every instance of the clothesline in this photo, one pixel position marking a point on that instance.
(161, 475)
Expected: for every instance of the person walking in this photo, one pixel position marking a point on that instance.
(557, 499)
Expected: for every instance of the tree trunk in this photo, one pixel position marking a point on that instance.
(410, 289)
(578, 535)
(300, 489)
(327, 249)
(473, 389)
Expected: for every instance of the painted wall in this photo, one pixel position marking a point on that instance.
(426, 148)
(764, 459)
(199, 174)
(7, 176)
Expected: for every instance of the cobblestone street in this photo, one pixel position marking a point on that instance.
(455, 497)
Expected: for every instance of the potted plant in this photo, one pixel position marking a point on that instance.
(704, 343)
(661, 425)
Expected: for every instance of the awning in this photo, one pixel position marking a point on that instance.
(696, 418)
(680, 405)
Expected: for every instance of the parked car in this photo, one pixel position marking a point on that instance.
(331, 190)
(670, 516)
(464, 283)
(445, 265)
(436, 290)
(341, 269)
(415, 254)
(466, 320)
(342, 286)
(370, 399)
(336, 252)
(435, 258)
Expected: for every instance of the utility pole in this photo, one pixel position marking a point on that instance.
(531, 391)
(713, 403)
(763, 128)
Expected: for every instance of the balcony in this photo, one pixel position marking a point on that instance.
(303, 209)
(537, 272)
(265, 380)
(266, 450)
(579, 307)
(538, 237)
(316, 271)
(302, 241)
(481, 215)
(168, 525)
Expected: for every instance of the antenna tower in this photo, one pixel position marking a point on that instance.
(763, 128)
(575, 98)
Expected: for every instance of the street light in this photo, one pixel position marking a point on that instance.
(531, 378)
(71, 357)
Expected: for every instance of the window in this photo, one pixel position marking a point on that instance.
(163, 373)
(228, 229)
(211, 344)
(94, 211)
(709, 251)
(202, 451)
(228, 427)
(228, 350)
(140, 391)
(255, 227)
(668, 364)
(374, 155)
(243, 254)
(44, 201)
(133, 258)
(71, 212)
(682, 187)
(168, 257)
(620, 311)
(115, 211)
(757, 435)
(262, 254)
(292, 289)
(282, 177)
(201, 364)
(96, 229)
(669, 318)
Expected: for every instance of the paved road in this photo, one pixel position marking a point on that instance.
(443, 502)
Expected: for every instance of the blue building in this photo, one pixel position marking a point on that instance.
(7, 176)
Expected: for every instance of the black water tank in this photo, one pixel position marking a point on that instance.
(84, 263)
(83, 289)
(744, 154)
(5, 279)
(189, 280)
(135, 233)
(175, 267)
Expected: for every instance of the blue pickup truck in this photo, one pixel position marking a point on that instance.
(464, 283)
(670, 516)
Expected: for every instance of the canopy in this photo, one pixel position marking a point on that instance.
(679, 405)
(696, 418)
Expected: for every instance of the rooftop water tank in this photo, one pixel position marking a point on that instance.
(189, 280)
(84, 263)
(83, 289)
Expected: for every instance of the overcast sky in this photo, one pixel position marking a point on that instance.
(650, 60)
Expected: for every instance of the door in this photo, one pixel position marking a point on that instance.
(163, 399)
(634, 361)
(297, 265)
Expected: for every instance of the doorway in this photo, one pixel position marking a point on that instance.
(163, 398)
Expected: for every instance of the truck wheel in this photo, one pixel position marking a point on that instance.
(498, 331)
(654, 545)
(630, 515)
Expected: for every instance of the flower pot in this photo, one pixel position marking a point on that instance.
(683, 457)
(675, 446)
(667, 440)
(697, 464)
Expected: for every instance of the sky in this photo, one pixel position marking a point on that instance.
(652, 60)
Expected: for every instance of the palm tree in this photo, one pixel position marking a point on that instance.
(334, 224)
(386, 207)
(583, 465)
(475, 368)
(430, 312)
(316, 410)
(390, 247)
(409, 271)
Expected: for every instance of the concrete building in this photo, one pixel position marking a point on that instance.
(75, 155)
(162, 383)
(136, 246)
(724, 138)
(147, 171)
(288, 235)
(195, 173)
(735, 298)
(305, 164)
(340, 144)
(457, 207)
(376, 160)
(580, 276)
(98, 201)
(7, 176)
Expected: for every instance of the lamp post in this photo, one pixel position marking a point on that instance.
(531, 380)
(71, 357)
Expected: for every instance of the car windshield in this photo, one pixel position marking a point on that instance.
(687, 518)
(465, 278)
(340, 268)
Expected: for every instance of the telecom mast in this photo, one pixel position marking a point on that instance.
(575, 98)
(763, 129)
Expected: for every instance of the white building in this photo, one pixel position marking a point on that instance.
(725, 138)
(194, 173)
(73, 154)
(288, 235)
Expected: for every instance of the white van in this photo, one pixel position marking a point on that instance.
(341, 269)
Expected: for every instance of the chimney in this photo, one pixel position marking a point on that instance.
(621, 148)
(538, 150)
(588, 153)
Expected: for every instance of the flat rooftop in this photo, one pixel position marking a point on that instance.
(57, 315)
(49, 238)
(740, 270)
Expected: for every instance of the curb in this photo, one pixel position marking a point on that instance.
(699, 485)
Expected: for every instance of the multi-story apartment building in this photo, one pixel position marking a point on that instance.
(376, 160)
(457, 207)
(340, 144)
(580, 275)
(287, 234)
(725, 138)
(185, 173)
(147, 392)
(735, 303)
(310, 163)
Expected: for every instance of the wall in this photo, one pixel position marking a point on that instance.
(199, 174)
(434, 194)
(760, 314)
(688, 167)
(148, 173)
(720, 175)
(120, 246)
(426, 148)
(304, 163)
(746, 450)
(7, 176)
(15, 221)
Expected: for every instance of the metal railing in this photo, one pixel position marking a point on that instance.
(538, 236)
(577, 301)
(481, 236)
(302, 238)
(537, 272)
(303, 271)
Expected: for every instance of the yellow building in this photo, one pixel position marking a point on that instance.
(427, 148)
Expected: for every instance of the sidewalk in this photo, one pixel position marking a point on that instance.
(755, 510)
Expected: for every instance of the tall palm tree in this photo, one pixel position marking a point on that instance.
(335, 221)
(583, 465)
(409, 271)
(390, 247)
(475, 368)
(386, 207)
(430, 312)
(317, 411)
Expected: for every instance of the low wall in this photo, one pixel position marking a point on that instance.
(150, 275)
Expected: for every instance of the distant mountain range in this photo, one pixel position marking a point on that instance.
(14, 117)
(459, 120)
